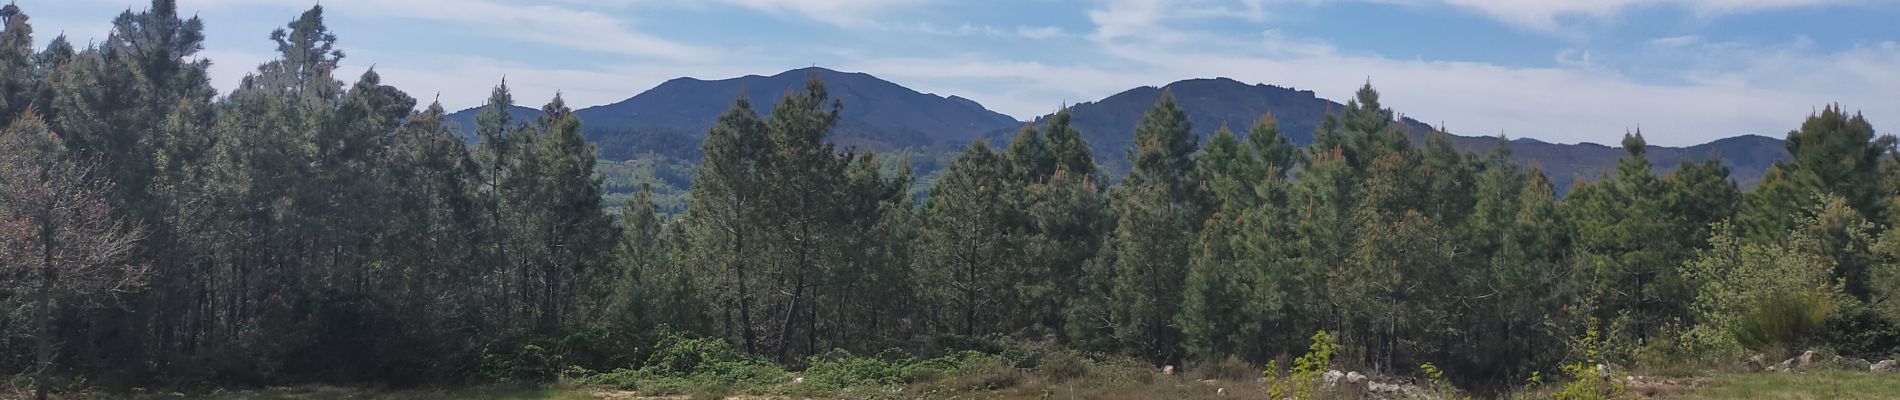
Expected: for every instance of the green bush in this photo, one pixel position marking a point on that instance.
(1302, 380)
(839, 369)
(1783, 320)
(1589, 375)
(1062, 366)
(525, 363)
(1861, 331)
(1230, 368)
(684, 364)
(986, 374)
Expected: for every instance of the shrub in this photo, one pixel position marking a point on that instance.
(1862, 331)
(839, 369)
(1784, 320)
(680, 355)
(1302, 380)
(523, 363)
(1590, 376)
(1230, 368)
(684, 364)
(986, 374)
(1061, 366)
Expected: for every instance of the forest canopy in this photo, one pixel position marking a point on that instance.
(305, 227)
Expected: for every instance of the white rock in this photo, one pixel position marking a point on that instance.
(1332, 377)
(1884, 366)
(1355, 377)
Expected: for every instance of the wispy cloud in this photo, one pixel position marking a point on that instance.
(1550, 14)
(1726, 89)
(547, 24)
(848, 13)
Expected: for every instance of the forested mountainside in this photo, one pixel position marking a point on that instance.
(880, 115)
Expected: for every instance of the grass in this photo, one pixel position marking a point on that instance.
(318, 392)
(1831, 385)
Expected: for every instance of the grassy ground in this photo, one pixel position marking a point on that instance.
(1831, 385)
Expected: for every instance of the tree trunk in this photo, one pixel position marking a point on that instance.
(43, 315)
(745, 298)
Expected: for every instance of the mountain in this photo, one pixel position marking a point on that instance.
(672, 118)
(464, 120)
(877, 113)
(1747, 157)
(1213, 103)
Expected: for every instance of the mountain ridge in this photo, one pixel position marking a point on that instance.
(882, 115)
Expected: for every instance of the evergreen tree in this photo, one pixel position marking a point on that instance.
(964, 251)
(726, 205)
(1159, 211)
(803, 174)
(57, 235)
(1215, 315)
(1629, 246)
(19, 73)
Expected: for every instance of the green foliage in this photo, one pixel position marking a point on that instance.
(1301, 379)
(1766, 296)
(1589, 376)
(529, 363)
(304, 228)
(683, 364)
(1783, 320)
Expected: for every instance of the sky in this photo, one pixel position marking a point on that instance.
(1567, 71)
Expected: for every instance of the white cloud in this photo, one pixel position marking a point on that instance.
(1734, 89)
(1675, 41)
(1549, 14)
(545, 24)
(848, 13)
(1040, 32)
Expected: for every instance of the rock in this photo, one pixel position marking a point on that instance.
(1220, 391)
(1884, 366)
(1167, 370)
(1355, 378)
(1603, 371)
(1785, 365)
(1756, 363)
(798, 379)
(1855, 364)
(1377, 387)
(1332, 377)
(1805, 361)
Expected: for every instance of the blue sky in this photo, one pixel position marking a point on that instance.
(1684, 71)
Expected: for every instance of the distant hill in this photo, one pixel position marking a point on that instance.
(1747, 157)
(465, 120)
(877, 113)
(1213, 103)
(672, 118)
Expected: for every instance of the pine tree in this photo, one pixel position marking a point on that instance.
(723, 219)
(57, 234)
(1628, 246)
(1159, 211)
(803, 172)
(1838, 154)
(19, 73)
(1218, 285)
(567, 216)
(964, 249)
